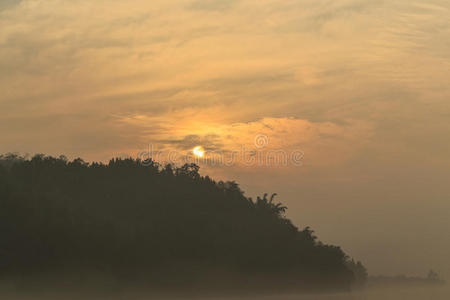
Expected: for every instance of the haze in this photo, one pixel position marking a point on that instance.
(361, 87)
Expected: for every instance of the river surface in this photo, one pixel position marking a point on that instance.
(410, 293)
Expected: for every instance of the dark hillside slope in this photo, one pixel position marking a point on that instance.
(162, 226)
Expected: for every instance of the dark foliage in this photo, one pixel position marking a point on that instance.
(162, 225)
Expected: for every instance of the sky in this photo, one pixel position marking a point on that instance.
(353, 94)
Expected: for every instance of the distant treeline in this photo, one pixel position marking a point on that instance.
(160, 225)
(432, 278)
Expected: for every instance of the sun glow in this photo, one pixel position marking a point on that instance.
(199, 151)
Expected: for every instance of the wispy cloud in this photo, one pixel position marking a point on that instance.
(212, 5)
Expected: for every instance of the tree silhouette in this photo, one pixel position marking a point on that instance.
(166, 225)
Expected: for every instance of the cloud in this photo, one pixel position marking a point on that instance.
(6, 4)
(345, 9)
(323, 143)
(212, 5)
(210, 142)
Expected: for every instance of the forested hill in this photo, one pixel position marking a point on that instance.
(160, 225)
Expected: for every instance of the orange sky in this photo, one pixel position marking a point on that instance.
(360, 87)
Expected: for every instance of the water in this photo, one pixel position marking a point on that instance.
(402, 293)
(410, 293)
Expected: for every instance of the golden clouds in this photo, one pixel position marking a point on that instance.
(322, 143)
(162, 69)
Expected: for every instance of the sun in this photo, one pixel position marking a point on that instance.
(199, 151)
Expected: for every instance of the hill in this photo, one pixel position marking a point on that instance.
(161, 226)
